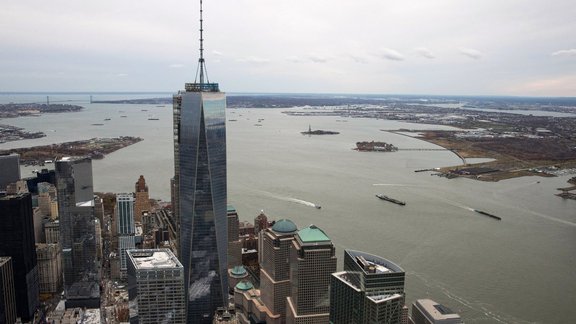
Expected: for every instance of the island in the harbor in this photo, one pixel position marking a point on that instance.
(12, 110)
(318, 132)
(95, 148)
(10, 133)
(373, 146)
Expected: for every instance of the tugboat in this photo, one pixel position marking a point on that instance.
(392, 200)
(487, 214)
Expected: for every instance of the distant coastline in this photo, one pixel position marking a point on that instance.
(95, 148)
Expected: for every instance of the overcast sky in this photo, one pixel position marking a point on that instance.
(453, 47)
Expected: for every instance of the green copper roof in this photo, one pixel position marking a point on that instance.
(244, 285)
(312, 234)
(284, 226)
(238, 271)
(231, 208)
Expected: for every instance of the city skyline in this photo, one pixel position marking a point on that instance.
(446, 47)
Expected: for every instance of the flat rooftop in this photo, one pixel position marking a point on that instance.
(153, 259)
(436, 311)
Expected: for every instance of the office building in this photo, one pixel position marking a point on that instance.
(312, 261)
(125, 227)
(9, 169)
(427, 311)
(77, 232)
(52, 231)
(17, 241)
(369, 290)
(7, 296)
(200, 182)
(234, 242)
(47, 199)
(260, 222)
(274, 258)
(156, 287)
(49, 268)
(142, 199)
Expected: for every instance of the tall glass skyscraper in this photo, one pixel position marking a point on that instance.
(126, 228)
(200, 187)
(78, 232)
(200, 143)
(17, 241)
(369, 290)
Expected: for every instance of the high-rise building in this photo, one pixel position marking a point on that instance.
(312, 261)
(49, 267)
(234, 242)
(78, 232)
(274, 258)
(9, 169)
(17, 241)
(200, 181)
(125, 226)
(427, 311)
(52, 231)
(155, 287)
(260, 222)
(142, 199)
(369, 290)
(7, 297)
(47, 199)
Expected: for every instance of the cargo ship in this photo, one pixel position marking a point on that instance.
(487, 214)
(392, 200)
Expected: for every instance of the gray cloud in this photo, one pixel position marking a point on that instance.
(253, 59)
(176, 66)
(294, 59)
(471, 53)
(390, 54)
(317, 58)
(425, 52)
(568, 52)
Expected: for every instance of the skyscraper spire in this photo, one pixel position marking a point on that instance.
(201, 63)
(201, 82)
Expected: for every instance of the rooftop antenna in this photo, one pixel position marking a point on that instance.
(201, 63)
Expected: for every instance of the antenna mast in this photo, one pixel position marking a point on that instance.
(201, 60)
(201, 80)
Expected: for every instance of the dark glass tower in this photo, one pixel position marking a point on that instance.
(369, 290)
(200, 183)
(78, 232)
(17, 241)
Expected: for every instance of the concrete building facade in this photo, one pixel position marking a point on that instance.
(274, 258)
(427, 311)
(7, 294)
(49, 267)
(155, 287)
(312, 261)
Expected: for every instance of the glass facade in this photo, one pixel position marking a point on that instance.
(369, 290)
(200, 170)
(17, 241)
(126, 229)
(78, 232)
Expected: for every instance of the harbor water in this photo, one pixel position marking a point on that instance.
(517, 270)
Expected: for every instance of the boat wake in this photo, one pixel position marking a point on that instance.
(290, 199)
(301, 202)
